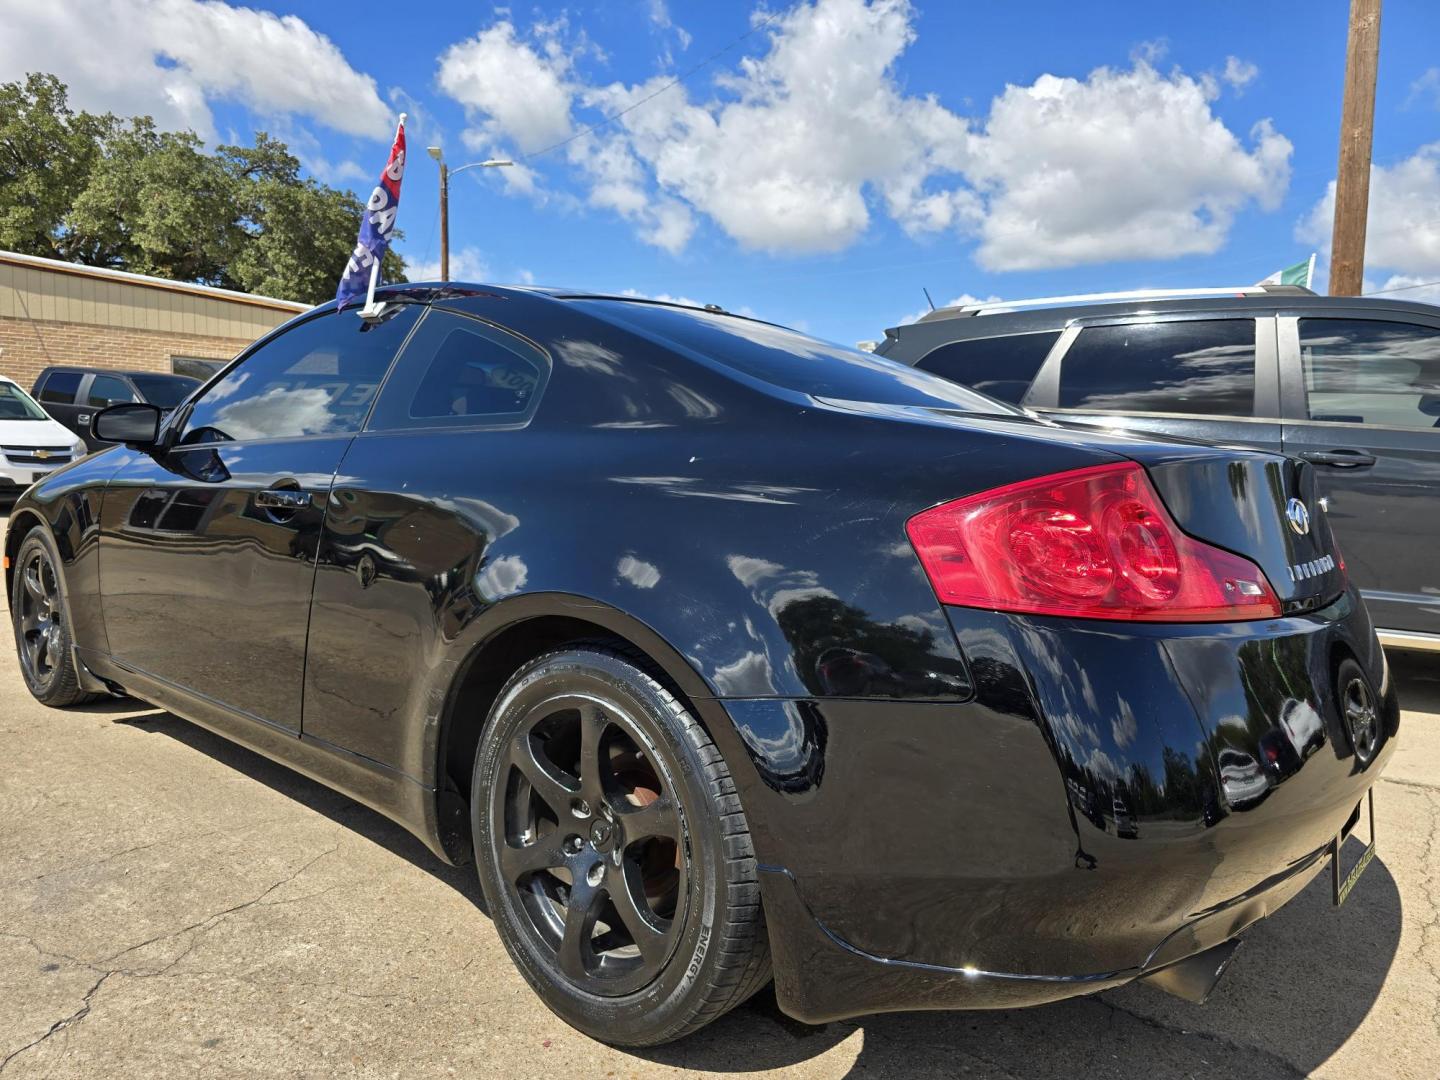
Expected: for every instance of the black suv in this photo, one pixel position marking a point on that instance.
(73, 394)
(1350, 384)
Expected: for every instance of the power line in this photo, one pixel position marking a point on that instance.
(1402, 288)
(650, 97)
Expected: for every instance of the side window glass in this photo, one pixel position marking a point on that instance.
(1203, 368)
(1002, 367)
(108, 390)
(317, 378)
(60, 387)
(459, 372)
(1368, 371)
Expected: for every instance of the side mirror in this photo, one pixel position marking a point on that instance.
(134, 424)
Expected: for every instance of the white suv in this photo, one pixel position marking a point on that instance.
(31, 443)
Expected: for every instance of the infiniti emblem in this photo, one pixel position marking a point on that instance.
(1298, 516)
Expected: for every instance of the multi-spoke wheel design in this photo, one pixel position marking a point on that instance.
(614, 854)
(593, 845)
(38, 617)
(42, 636)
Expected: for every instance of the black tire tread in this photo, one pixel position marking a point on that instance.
(743, 952)
(65, 692)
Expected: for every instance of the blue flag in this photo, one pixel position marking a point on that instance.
(376, 224)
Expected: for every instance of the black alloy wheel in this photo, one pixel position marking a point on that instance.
(42, 634)
(612, 851)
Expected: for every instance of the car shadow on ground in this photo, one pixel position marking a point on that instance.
(1303, 983)
(341, 809)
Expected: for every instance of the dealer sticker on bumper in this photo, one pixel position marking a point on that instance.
(1342, 887)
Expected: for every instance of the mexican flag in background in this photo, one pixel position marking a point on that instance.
(1302, 273)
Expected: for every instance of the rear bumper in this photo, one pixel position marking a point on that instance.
(1068, 829)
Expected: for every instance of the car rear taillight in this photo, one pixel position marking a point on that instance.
(1095, 543)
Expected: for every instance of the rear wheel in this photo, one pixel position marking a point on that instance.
(42, 631)
(613, 852)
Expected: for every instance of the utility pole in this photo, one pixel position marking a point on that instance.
(1357, 130)
(445, 170)
(444, 222)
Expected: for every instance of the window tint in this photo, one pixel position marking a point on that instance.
(107, 390)
(60, 387)
(15, 404)
(459, 372)
(1205, 368)
(195, 368)
(1002, 367)
(1371, 372)
(167, 391)
(789, 360)
(317, 378)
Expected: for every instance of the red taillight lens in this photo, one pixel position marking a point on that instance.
(1094, 543)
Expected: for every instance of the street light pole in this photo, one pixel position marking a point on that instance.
(445, 171)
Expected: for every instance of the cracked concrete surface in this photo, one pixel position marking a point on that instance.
(171, 905)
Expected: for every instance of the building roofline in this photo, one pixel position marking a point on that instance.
(123, 277)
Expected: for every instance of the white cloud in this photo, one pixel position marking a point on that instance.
(799, 146)
(1403, 231)
(1407, 287)
(1239, 73)
(171, 58)
(1426, 89)
(466, 264)
(1125, 164)
(517, 91)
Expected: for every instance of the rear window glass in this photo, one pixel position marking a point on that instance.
(1002, 367)
(459, 372)
(791, 360)
(60, 387)
(1370, 371)
(1204, 367)
(166, 391)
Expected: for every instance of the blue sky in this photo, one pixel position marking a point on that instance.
(837, 156)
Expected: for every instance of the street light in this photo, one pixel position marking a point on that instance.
(445, 172)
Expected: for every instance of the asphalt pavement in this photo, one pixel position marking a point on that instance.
(173, 905)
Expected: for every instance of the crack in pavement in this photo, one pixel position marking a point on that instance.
(1410, 783)
(108, 858)
(106, 971)
(62, 1024)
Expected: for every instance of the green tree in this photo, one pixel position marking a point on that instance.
(46, 154)
(121, 194)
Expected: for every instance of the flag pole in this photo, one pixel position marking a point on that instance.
(371, 310)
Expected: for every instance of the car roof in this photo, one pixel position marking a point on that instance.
(962, 324)
(84, 369)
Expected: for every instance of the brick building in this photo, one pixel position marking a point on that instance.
(54, 312)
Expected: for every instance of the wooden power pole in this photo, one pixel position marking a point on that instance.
(1357, 129)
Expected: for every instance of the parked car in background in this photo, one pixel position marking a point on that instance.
(72, 395)
(725, 652)
(32, 444)
(1349, 384)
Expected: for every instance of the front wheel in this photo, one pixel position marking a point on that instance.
(42, 631)
(613, 851)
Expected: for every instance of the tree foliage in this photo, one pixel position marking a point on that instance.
(113, 192)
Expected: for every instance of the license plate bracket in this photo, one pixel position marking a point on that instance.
(1341, 887)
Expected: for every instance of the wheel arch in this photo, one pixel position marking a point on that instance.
(515, 632)
(20, 525)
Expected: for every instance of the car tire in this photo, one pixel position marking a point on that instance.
(632, 907)
(39, 615)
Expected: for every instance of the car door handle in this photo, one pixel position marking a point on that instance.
(83, 418)
(1341, 459)
(282, 499)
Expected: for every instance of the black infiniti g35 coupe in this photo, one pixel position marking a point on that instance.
(727, 654)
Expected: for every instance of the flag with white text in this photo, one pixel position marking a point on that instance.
(376, 224)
